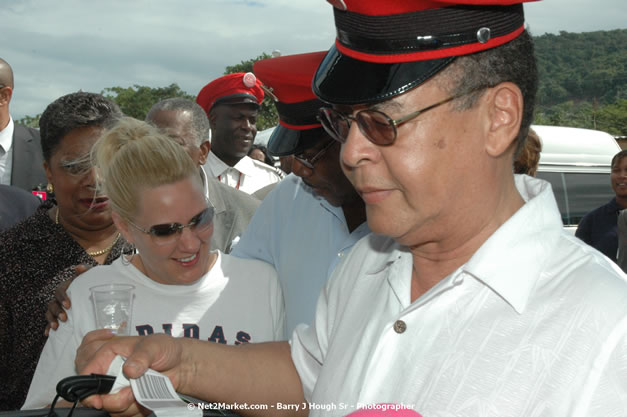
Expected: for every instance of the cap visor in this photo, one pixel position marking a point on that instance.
(284, 141)
(341, 79)
(239, 98)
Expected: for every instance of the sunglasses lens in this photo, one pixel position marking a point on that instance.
(376, 126)
(164, 230)
(335, 124)
(203, 220)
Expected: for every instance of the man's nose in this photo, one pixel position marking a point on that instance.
(298, 168)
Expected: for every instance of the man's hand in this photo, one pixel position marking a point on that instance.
(98, 349)
(257, 373)
(61, 302)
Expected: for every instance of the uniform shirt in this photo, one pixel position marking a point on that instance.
(237, 301)
(248, 175)
(304, 237)
(6, 153)
(534, 324)
(599, 229)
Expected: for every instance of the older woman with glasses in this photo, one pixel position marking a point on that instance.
(74, 227)
(182, 288)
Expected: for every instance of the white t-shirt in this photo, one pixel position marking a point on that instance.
(248, 175)
(238, 301)
(534, 324)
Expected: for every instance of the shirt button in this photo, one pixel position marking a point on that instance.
(400, 326)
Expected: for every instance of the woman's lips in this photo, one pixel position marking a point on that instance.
(95, 203)
(188, 261)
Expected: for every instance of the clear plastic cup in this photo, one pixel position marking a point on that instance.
(113, 307)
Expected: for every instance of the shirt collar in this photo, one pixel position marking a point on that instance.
(218, 167)
(511, 260)
(6, 136)
(612, 206)
(246, 166)
(215, 165)
(214, 199)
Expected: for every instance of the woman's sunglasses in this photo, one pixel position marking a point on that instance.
(167, 233)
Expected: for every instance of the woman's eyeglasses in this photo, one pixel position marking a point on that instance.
(77, 167)
(376, 126)
(310, 162)
(164, 234)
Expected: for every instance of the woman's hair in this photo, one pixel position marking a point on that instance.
(267, 159)
(134, 155)
(73, 111)
(529, 156)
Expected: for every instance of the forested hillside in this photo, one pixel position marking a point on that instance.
(583, 80)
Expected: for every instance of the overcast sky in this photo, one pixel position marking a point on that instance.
(61, 46)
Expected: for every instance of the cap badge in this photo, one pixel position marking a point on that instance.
(483, 35)
(249, 80)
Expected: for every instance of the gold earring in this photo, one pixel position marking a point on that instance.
(50, 188)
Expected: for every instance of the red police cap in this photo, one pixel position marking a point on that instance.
(236, 88)
(384, 49)
(289, 80)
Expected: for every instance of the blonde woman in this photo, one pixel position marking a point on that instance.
(182, 288)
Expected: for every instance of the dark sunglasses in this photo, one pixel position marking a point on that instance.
(170, 232)
(376, 126)
(310, 162)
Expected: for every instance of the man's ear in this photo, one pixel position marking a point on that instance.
(122, 226)
(505, 115)
(5, 96)
(205, 147)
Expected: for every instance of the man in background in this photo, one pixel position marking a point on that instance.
(232, 103)
(599, 227)
(16, 204)
(186, 123)
(21, 161)
(311, 219)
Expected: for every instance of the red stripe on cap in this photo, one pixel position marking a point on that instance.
(428, 55)
(299, 127)
(391, 7)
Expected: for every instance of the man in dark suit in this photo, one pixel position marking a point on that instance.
(15, 205)
(21, 161)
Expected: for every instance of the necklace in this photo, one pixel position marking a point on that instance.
(97, 252)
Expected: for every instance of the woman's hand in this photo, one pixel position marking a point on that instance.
(61, 302)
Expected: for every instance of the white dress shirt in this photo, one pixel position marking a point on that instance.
(534, 324)
(6, 153)
(248, 175)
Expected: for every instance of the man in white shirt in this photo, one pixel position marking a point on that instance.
(232, 103)
(21, 161)
(468, 299)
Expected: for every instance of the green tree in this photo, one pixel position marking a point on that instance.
(268, 115)
(30, 121)
(135, 101)
(613, 118)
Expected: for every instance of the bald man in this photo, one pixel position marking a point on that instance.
(21, 161)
